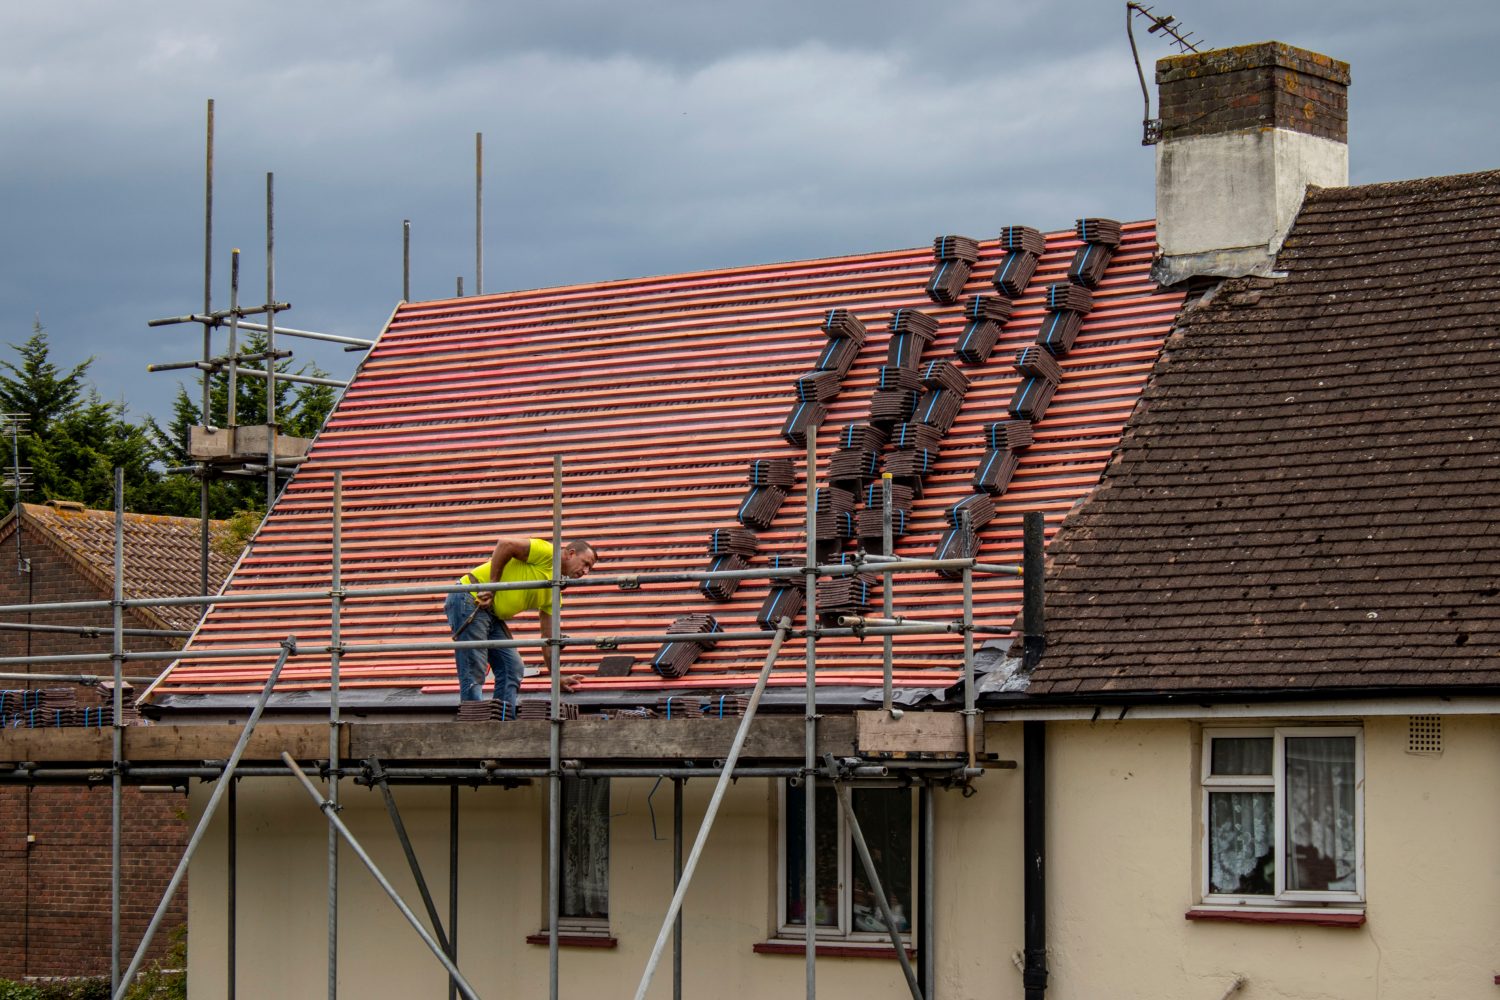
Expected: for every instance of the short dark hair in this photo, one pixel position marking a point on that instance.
(577, 543)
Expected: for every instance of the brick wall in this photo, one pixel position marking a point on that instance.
(1270, 85)
(55, 891)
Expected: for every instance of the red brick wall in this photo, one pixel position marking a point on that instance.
(55, 891)
(1269, 85)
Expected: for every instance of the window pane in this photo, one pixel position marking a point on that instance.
(1241, 755)
(828, 856)
(1320, 813)
(1242, 843)
(884, 816)
(584, 851)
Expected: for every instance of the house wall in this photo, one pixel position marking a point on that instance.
(55, 900)
(1122, 872)
(729, 909)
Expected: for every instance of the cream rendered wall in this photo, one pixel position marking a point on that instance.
(282, 881)
(1122, 871)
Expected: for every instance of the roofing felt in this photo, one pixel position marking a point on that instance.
(1308, 497)
(658, 393)
(162, 555)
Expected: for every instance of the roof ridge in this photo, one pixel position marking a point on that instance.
(1440, 184)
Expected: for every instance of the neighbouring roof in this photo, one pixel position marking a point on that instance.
(1308, 496)
(162, 555)
(657, 393)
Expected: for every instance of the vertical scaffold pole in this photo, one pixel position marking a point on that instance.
(554, 805)
(405, 260)
(478, 213)
(208, 343)
(452, 885)
(810, 726)
(270, 341)
(117, 656)
(335, 652)
(971, 713)
(232, 406)
(230, 904)
(888, 543)
(677, 787)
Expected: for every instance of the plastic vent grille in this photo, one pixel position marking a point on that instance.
(1424, 734)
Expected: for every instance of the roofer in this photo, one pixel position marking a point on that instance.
(474, 617)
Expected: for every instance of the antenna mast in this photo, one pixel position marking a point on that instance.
(1167, 24)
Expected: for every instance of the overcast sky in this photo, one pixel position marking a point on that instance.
(621, 139)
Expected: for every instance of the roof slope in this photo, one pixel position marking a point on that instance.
(163, 555)
(1309, 495)
(657, 392)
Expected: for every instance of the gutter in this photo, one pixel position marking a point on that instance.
(1300, 709)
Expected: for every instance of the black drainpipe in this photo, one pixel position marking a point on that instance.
(1034, 765)
(1034, 751)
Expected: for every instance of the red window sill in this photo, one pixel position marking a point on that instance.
(574, 940)
(830, 950)
(1316, 918)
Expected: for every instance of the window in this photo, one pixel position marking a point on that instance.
(584, 855)
(1283, 816)
(846, 905)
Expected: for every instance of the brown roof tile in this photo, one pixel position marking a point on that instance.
(1307, 496)
(162, 554)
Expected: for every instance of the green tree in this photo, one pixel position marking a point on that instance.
(70, 438)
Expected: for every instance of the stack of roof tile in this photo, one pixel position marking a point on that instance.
(676, 706)
(725, 706)
(911, 331)
(852, 594)
(487, 710)
(939, 408)
(984, 317)
(676, 657)
(1040, 377)
(955, 257)
(723, 589)
(1100, 237)
(770, 481)
(739, 541)
(1004, 441)
(1067, 304)
(785, 600)
(890, 406)
(911, 463)
(834, 507)
(857, 460)
(129, 714)
(979, 508)
(870, 522)
(958, 542)
(39, 708)
(846, 335)
(915, 435)
(541, 708)
(1023, 246)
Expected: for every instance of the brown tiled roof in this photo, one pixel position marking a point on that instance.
(1307, 496)
(162, 554)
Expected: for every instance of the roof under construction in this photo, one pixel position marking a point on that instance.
(658, 393)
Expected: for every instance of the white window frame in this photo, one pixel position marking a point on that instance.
(847, 860)
(1275, 782)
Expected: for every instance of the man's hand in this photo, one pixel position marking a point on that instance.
(486, 599)
(572, 682)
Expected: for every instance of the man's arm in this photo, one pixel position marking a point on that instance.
(506, 549)
(571, 682)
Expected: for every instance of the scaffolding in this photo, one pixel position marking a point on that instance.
(815, 771)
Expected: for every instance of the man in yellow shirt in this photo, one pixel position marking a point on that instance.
(473, 617)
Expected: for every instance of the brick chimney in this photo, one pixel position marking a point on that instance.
(1244, 132)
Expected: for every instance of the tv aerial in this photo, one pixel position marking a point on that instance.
(1170, 28)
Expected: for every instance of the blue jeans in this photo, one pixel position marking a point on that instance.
(473, 664)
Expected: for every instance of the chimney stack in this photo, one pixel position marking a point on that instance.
(1244, 132)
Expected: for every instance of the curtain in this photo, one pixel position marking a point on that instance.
(884, 816)
(1242, 825)
(828, 856)
(1320, 817)
(585, 848)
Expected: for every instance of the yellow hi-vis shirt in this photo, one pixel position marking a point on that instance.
(509, 603)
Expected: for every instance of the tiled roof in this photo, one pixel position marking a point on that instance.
(163, 555)
(658, 393)
(1308, 496)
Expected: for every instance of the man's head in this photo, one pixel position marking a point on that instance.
(578, 557)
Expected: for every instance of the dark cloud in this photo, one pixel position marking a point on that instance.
(620, 139)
